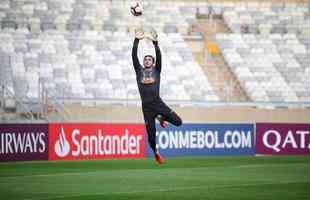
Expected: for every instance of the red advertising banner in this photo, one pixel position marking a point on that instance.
(71, 141)
(282, 139)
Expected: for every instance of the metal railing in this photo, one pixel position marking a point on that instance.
(187, 103)
(50, 102)
(7, 93)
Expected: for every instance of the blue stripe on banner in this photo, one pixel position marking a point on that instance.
(205, 139)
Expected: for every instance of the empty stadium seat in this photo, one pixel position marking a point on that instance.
(74, 66)
(267, 66)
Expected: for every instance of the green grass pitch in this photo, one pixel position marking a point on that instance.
(214, 178)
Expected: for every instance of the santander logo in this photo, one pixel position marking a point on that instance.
(92, 141)
(62, 146)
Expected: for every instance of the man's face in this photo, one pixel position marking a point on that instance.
(148, 61)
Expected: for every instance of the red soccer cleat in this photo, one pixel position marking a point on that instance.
(159, 159)
(162, 122)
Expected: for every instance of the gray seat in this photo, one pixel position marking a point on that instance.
(169, 28)
(21, 87)
(8, 24)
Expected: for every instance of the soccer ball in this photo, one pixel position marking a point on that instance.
(136, 8)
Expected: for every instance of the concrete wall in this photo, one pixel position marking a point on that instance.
(190, 114)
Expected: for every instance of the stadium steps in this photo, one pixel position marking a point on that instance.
(219, 74)
(230, 87)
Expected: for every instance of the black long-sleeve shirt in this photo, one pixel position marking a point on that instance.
(148, 79)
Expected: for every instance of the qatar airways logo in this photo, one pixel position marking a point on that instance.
(22, 142)
(299, 139)
(78, 143)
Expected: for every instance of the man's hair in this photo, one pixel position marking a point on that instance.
(153, 59)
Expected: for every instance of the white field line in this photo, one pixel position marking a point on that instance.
(170, 189)
(103, 171)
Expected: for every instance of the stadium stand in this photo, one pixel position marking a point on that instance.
(43, 15)
(97, 65)
(270, 67)
(79, 51)
(268, 18)
(269, 49)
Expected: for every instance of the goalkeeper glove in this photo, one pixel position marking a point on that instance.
(139, 33)
(153, 35)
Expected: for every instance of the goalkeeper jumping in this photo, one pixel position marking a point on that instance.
(148, 80)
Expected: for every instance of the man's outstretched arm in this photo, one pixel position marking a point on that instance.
(153, 36)
(134, 55)
(158, 55)
(139, 35)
